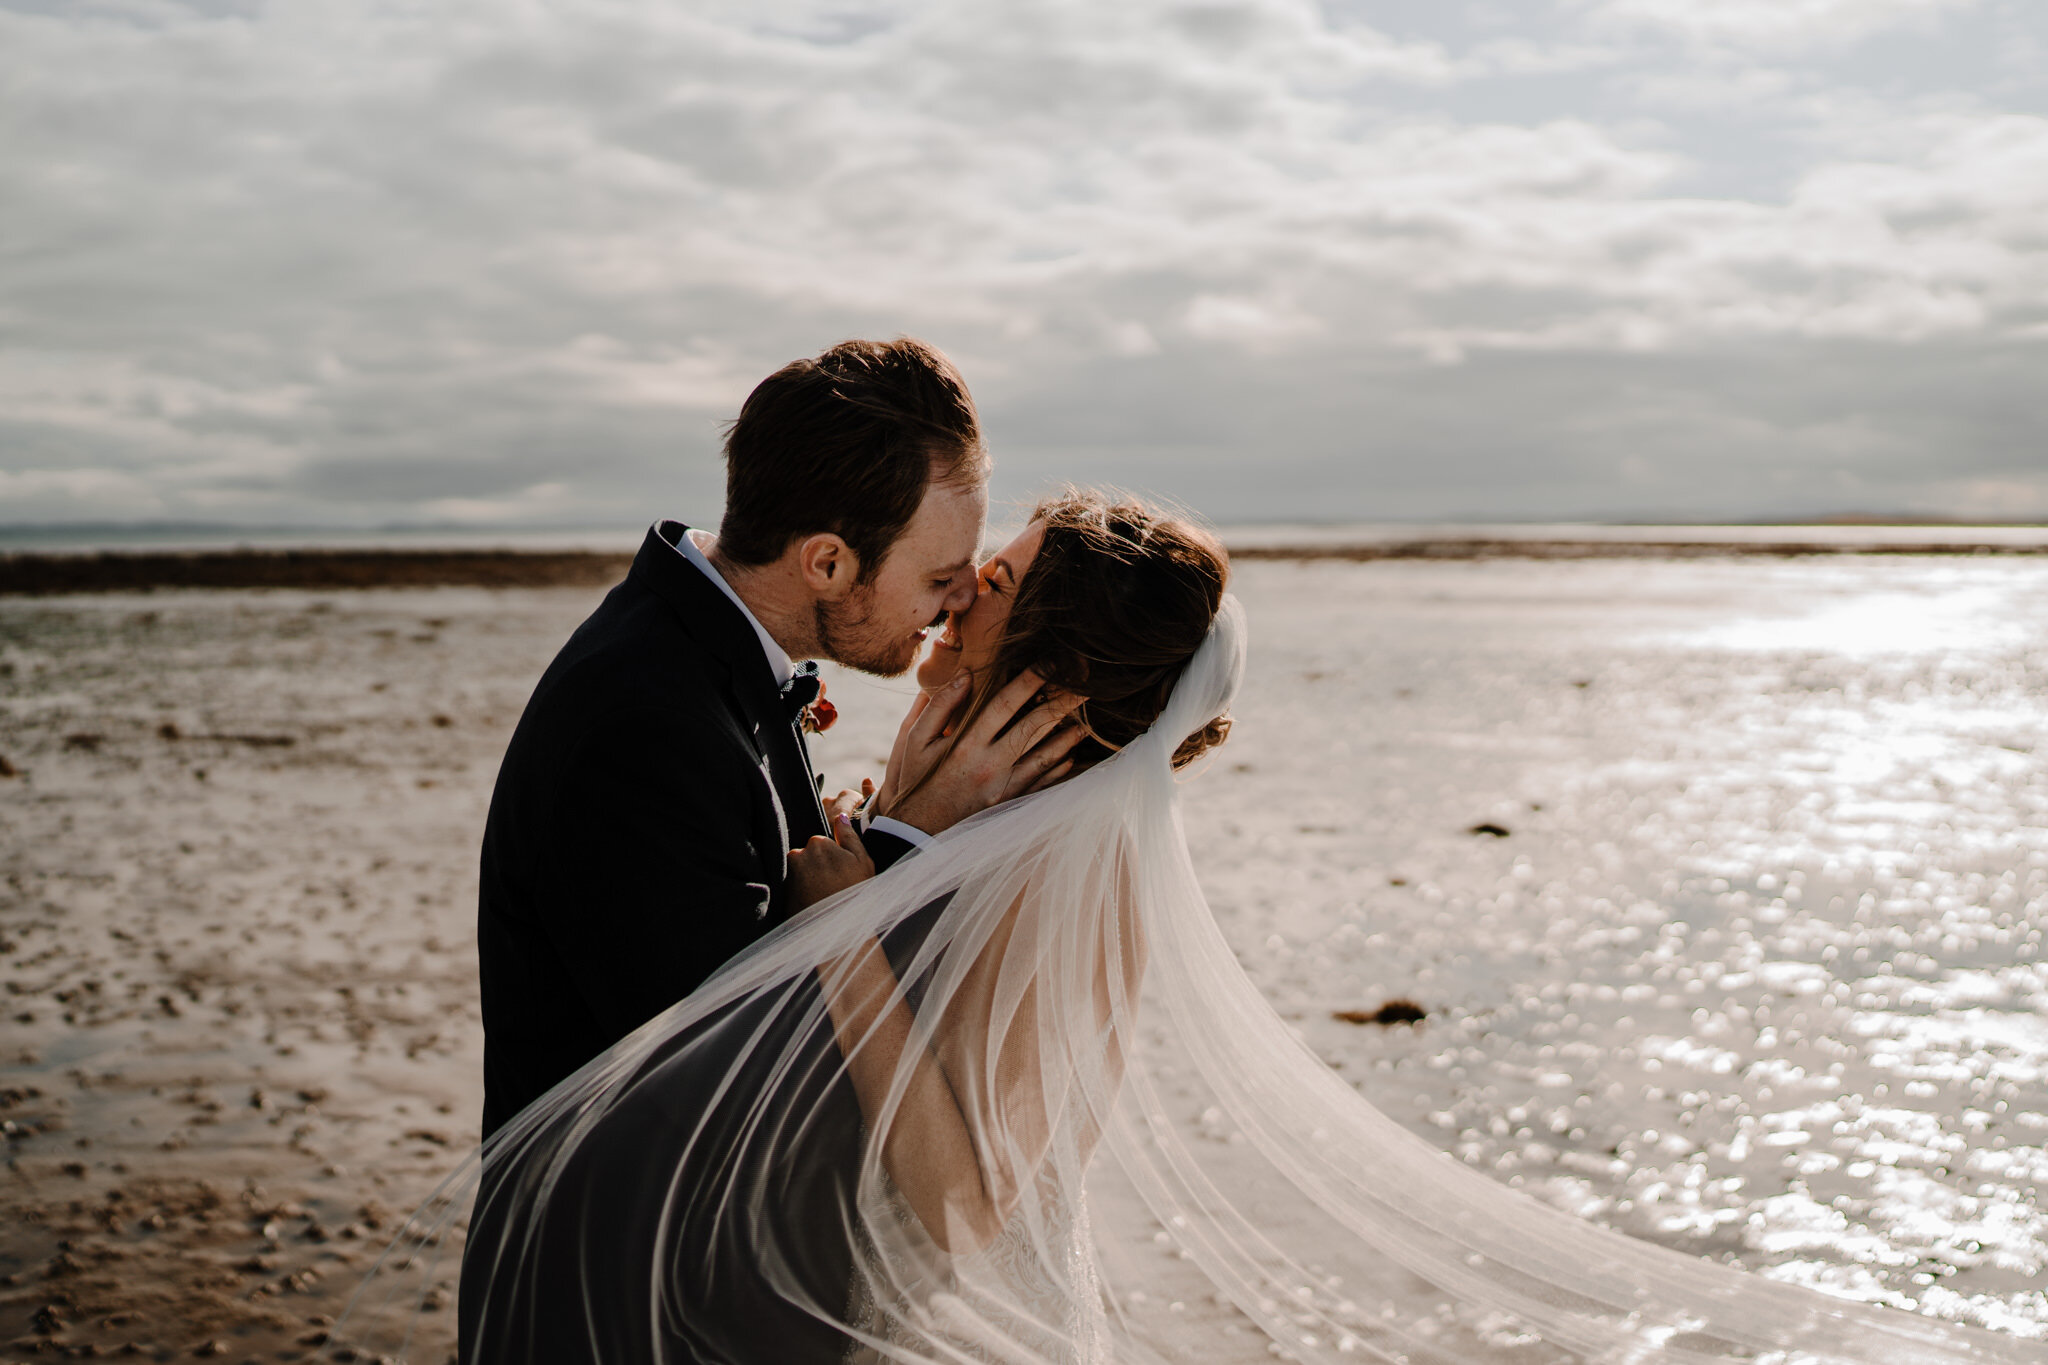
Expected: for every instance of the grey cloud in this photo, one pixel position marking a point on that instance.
(302, 263)
(1773, 429)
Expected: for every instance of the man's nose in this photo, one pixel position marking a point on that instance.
(963, 593)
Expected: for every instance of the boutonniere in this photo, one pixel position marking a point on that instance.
(820, 715)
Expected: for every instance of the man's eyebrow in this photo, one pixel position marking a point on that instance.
(952, 569)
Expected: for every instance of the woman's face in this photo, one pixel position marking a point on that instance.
(970, 638)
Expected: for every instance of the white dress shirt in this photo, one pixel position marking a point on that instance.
(691, 548)
(778, 658)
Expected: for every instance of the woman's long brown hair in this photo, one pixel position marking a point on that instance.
(1112, 608)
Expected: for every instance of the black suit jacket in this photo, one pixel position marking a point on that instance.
(638, 830)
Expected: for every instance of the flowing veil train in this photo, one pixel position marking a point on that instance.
(978, 1152)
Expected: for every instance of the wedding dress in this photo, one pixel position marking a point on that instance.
(1019, 1175)
(1051, 1275)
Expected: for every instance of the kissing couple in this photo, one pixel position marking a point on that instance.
(913, 1074)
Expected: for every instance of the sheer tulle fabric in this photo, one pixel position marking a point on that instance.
(1014, 1163)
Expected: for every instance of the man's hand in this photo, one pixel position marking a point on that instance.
(986, 764)
(824, 867)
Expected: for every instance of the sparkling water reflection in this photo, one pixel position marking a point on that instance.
(1755, 969)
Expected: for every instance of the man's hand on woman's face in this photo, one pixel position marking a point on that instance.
(987, 764)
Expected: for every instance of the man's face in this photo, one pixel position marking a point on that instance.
(880, 625)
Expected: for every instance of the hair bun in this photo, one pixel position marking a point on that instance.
(1202, 741)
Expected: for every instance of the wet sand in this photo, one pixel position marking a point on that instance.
(237, 897)
(1758, 972)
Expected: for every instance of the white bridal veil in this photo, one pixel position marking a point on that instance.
(942, 1117)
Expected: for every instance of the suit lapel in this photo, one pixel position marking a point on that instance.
(795, 785)
(723, 630)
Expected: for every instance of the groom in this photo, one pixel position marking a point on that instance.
(658, 778)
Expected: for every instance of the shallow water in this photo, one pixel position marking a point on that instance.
(1756, 969)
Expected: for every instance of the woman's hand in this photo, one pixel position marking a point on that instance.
(824, 867)
(848, 803)
(909, 758)
(950, 779)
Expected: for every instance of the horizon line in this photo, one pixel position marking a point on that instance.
(1842, 519)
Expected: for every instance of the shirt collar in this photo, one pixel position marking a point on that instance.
(778, 659)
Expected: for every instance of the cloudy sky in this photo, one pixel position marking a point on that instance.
(514, 261)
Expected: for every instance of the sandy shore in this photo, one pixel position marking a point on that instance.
(237, 891)
(238, 875)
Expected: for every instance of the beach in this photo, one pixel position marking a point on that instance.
(1719, 883)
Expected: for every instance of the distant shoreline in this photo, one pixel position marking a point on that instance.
(1476, 548)
(53, 574)
(43, 575)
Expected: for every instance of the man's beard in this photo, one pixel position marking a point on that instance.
(846, 637)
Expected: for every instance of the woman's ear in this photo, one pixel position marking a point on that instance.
(828, 565)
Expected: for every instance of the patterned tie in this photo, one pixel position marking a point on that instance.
(802, 689)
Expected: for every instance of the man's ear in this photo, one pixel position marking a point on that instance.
(828, 565)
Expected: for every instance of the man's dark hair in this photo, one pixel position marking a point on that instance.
(846, 443)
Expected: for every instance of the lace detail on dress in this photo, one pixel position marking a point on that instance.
(1032, 1295)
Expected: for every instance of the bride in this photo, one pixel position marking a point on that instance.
(944, 1114)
